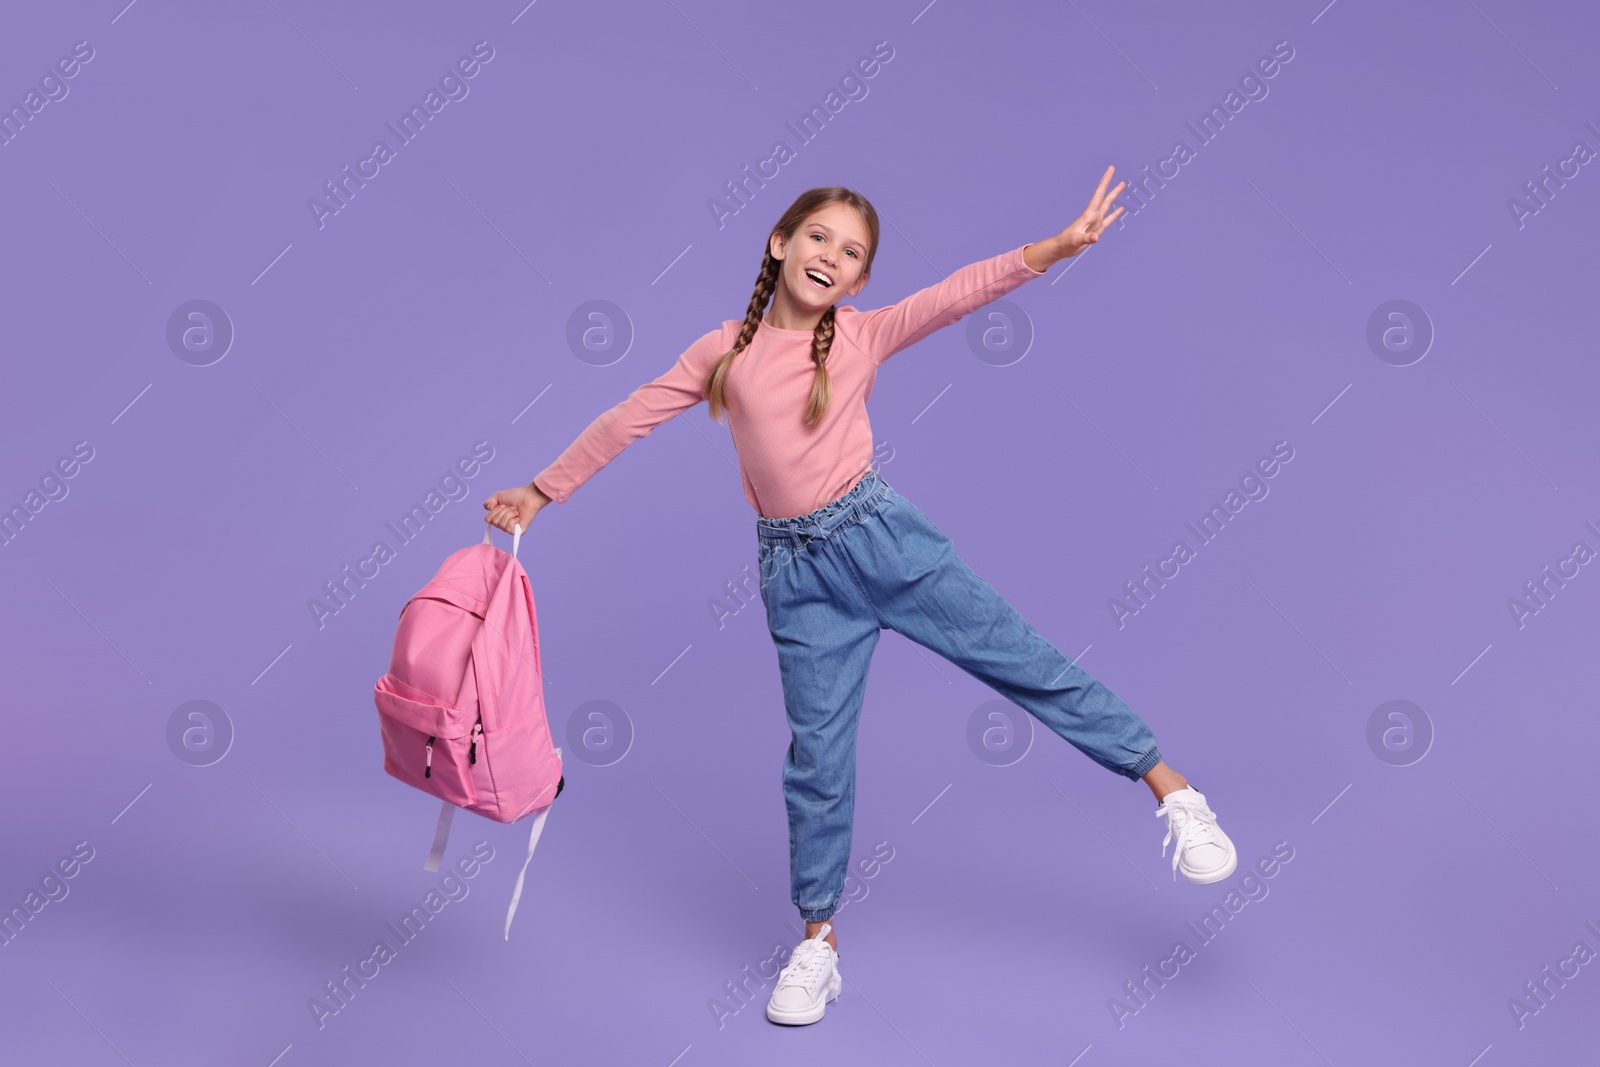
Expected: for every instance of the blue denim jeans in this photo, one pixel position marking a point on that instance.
(831, 580)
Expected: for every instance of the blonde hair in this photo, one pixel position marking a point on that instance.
(767, 282)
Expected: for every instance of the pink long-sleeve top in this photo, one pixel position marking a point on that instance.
(788, 469)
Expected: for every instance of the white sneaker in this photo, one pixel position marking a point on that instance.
(807, 982)
(1203, 851)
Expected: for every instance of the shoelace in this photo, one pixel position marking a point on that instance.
(1192, 822)
(805, 967)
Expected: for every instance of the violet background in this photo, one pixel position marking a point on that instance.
(1228, 313)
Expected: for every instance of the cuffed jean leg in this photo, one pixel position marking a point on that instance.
(824, 634)
(923, 590)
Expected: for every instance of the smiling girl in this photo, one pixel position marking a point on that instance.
(844, 556)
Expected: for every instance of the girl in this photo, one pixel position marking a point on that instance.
(842, 555)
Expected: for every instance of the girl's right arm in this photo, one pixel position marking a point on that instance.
(651, 404)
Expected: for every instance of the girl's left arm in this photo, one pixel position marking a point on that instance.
(886, 330)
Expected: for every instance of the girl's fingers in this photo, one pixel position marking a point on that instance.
(1100, 189)
(1100, 199)
(502, 514)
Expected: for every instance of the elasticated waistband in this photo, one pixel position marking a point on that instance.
(851, 508)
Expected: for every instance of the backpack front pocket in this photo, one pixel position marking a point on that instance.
(426, 743)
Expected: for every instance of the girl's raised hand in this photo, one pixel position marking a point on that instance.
(1085, 229)
(510, 506)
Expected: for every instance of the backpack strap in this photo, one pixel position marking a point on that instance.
(441, 834)
(533, 839)
(516, 536)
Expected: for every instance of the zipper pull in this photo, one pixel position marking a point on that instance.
(427, 771)
(472, 753)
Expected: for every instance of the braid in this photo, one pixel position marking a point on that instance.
(766, 282)
(821, 385)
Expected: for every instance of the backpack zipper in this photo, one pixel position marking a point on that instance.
(472, 753)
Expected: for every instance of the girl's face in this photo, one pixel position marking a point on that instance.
(832, 243)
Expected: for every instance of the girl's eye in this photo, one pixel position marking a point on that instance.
(849, 251)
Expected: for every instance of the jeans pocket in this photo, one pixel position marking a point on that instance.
(922, 545)
(766, 566)
(774, 563)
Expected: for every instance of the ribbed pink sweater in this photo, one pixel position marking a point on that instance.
(788, 469)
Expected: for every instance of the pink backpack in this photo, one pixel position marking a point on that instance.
(462, 706)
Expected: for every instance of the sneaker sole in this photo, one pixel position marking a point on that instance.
(1215, 876)
(811, 1015)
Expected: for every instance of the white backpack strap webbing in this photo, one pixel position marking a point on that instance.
(441, 834)
(533, 839)
(516, 536)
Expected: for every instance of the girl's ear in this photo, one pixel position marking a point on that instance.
(855, 290)
(775, 245)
